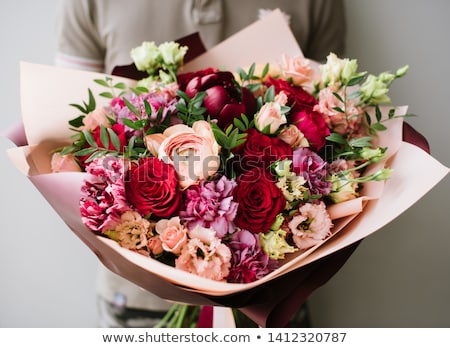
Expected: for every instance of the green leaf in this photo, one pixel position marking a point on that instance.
(265, 70)
(361, 142)
(148, 108)
(368, 118)
(356, 80)
(89, 138)
(238, 123)
(91, 105)
(269, 96)
(338, 109)
(80, 108)
(120, 85)
(336, 138)
(104, 137)
(85, 152)
(114, 139)
(378, 114)
(102, 82)
(108, 95)
(379, 126)
(77, 122)
(338, 97)
(131, 107)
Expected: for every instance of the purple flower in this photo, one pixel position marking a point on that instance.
(210, 204)
(103, 199)
(248, 261)
(313, 168)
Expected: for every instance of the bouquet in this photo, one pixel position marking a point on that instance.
(224, 182)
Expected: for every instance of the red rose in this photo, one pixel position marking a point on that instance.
(224, 99)
(311, 123)
(260, 150)
(151, 186)
(259, 199)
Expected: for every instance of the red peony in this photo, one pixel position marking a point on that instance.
(259, 199)
(224, 100)
(152, 188)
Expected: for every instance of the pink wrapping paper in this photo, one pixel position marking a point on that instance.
(269, 301)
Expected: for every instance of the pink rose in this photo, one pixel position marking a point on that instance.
(154, 245)
(172, 233)
(95, 118)
(65, 163)
(298, 69)
(270, 115)
(292, 136)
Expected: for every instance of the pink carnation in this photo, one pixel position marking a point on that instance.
(249, 262)
(103, 199)
(210, 204)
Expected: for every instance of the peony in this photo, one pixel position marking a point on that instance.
(193, 152)
(205, 255)
(172, 233)
(259, 199)
(152, 187)
(224, 101)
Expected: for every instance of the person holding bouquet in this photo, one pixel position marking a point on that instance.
(98, 35)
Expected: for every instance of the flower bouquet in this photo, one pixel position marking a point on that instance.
(242, 181)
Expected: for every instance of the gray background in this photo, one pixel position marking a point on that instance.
(398, 277)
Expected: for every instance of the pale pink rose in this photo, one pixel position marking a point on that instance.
(65, 163)
(205, 255)
(293, 136)
(153, 142)
(271, 115)
(193, 152)
(154, 245)
(95, 118)
(310, 226)
(298, 69)
(172, 233)
(339, 122)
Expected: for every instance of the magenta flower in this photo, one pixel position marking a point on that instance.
(313, 168)
(103, 199)
(210, 204)
(248, 261)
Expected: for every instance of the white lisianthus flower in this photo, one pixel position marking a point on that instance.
(172, 53)
(146, 57)
(338, 70)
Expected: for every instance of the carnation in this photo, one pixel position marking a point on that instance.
(210, 204)
(249, 262)
(103, 199)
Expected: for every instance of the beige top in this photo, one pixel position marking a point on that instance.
(98, 35)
